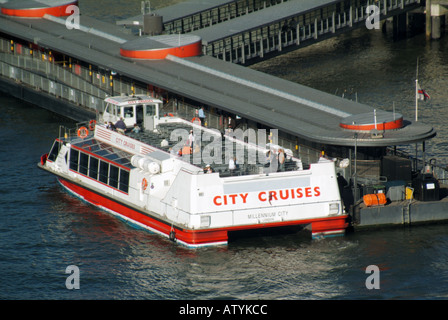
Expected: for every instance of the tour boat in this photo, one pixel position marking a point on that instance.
(141, 178)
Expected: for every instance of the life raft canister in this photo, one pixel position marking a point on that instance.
(374, 199)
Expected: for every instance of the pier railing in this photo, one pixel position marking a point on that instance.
(217, 14)
(61, 84)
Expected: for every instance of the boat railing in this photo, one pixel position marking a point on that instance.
(81, 130)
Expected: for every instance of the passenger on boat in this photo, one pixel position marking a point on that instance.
(111, 126)
(208, 169)
(136, 128)
(232, 165)
(120, 125)
(281, 160)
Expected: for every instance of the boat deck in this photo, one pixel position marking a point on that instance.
(244, 165)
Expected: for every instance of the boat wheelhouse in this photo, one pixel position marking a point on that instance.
(133, 110)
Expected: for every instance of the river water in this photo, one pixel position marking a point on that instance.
(43, 230)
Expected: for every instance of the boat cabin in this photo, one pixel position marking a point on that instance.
(143, 110)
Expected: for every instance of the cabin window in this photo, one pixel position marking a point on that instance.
(150, 110)
(124, 181)
(54, 151)
(104, 172)
(128, 112)
(99, 170)
(113, 176)
(93, 168)
(83, 163)
(74, 154)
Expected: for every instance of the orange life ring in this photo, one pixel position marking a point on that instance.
(196, 119)
(92, 124)
(144, 184)
(83, 132)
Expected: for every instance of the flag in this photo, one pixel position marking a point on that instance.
(422, 95)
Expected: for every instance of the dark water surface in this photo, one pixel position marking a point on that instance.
(43, 229)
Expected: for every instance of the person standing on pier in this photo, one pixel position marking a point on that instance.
(202, 116)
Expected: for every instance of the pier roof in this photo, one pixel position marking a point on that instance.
(280, 104)
(178, 10)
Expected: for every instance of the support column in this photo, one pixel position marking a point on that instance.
(428, 19)
(436, 27)
(333, 22)
(400, 25)
(437, 20)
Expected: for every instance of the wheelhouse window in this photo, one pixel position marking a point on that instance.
(150, 110)
(54, 151)
(128, 112)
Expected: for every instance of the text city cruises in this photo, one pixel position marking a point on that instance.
(155, 188)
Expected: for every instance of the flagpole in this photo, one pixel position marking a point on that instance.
(416, 93)
(416, 99)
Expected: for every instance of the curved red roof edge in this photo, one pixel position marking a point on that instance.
(189, 50)
(57, 11)
(395, 124)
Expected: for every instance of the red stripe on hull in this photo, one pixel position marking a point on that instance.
(189, 237)
(196, 238)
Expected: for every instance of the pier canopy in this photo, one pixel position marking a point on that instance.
(158, 47)
(37, 8)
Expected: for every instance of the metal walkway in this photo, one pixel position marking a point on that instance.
(192, 15)
(290, 25)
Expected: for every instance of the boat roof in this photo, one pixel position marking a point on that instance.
(125, 100)
(104, 150)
